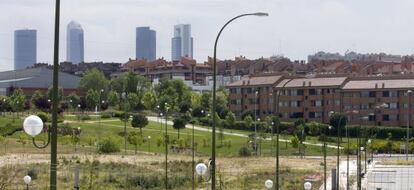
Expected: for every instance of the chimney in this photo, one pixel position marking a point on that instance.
(248, 82)
(310, 83)
(304, 83)
(376, 85)
(383, 85)
(244, 82)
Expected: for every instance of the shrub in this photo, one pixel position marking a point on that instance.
(9, 129)
(65, 129)
(43, 116)
(106, 115)
(244, 152)
(108, 145)
(146, 181)
(32, 173)
(84, 117)
(206, 121)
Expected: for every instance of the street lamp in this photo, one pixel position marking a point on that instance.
(27, 179)
(307, 185)
(268, 184)
(124, 98)
(255, 123)
(213, 134)
(149, 143)
(166, 144)
(338, 128)
(201, 170)
(192, 152)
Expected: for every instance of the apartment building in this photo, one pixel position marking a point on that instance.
(379, 100)
(253, 94)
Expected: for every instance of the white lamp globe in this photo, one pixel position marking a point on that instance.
(269, 184)
(33, 125)
(307, 185)
(27, 179)
(201, 169)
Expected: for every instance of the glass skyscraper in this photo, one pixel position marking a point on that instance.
(74, 43)
(145, 43)
(182, 42)
(25, 48)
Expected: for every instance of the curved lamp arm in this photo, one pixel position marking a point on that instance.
(45, 145)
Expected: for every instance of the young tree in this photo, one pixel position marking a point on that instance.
(113, 98)
(50, 93)
(40, 101)
(248, 120)
(139, 121)
(149, 100)
(206, 99)
(74, 100)
(93, 79)
(195, 99)
(135, 139)
(92, 98)
(17, 100)
(294, 141)
(230, 119)
(133, 101)
(179, 123)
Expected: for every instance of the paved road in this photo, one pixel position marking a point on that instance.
(390, 178)
(189, 126)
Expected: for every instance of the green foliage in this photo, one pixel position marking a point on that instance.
(139, 121)
(106, 115)
(124, 116)
(206, 99)
(338, 119)
(113, 98)
(44, 116)
(65, 129)
(93, 79)
(50, 93)
(92, 98)
(179, 123)
(9, 129)
(248, 120)
(294, 141)
(32, 172)
(133, 101)
(172, 92)
(135, 139)
(244, 152)
(230, 119)
(17, 100)
(4, 103)
(149, 100)
(84, 117)
(109, 145)
(195, 99)
(73, 100)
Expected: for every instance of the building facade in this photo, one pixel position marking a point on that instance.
(380, 100)
(25, 48)
(182, 42)
(74, 43)
(145, 43)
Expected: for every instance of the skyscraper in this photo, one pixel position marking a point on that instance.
(145, 43)
(74, 43)
(25, 52)
(182, 42)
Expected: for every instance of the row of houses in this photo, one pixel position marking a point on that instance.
(380, 100)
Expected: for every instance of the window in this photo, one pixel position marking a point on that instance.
(238, 90)
(315, 114)
(386, 93)
(385, 117)
(316, 103)
(300, 92)
(372, 94)
(312, 92)
(393, 93)
(348, 107)
(293, 92)
(364, 106)
(405, 105)
(280, 104)
(232, 90)
(248, 90)
(293, 104)
(393, 105)
(364, 94)
(238, 102)
(337, 102)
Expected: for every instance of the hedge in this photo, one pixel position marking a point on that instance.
(9, 129)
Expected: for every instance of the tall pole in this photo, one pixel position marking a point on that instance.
(324, 161)
(338, 151)
(255, 122)
(347, 158)
(408, 124)
(53, 147)
(124, 97)
(192, 159)
(213, 134)
(166, 147)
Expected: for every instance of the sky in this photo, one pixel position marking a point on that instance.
(294, 28)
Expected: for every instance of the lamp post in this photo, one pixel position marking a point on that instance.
(255, 123)
(269, 184)
(166, 145)
(99, 113)
(192, 153)
(124, 98)
(213, 134)
(409, 92)
(307, 185)
(201, 170)
(338, 128)
(27, 179)
(149, 143)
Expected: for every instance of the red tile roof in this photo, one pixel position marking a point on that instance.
(313, 82)
(373, 84)
(256, 80)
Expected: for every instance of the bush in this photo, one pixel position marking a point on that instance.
(379, 132)
(65, 129)
(244, 152)
(9, 129)
(43, 116)
(32, 173)
(146, 181)
(84, 117)
(206, 121)
(108, 145)
(106, 115)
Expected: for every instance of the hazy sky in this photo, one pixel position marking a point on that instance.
(295, 28)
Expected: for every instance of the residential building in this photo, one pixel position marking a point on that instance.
(74, 43)
(182, 42)
(25, 48)
(145, 43)
(383, 100)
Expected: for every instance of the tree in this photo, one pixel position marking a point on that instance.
(50, 93)
(40, 101)
(248, 120)
(4, 104)
(133, 101)
(195, 99)
(276, 122)
(230, 119)
(206, 99)
(93, 79)
(17, 100)
(179, 123)
(149, 100)
(113, 98)
(173, 91)
(338, 119)
(135, 139)
(294, 141)
(74, 100)
(139, 121)
(92, 98)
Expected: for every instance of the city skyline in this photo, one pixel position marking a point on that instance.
(182, 42)
(293, 29)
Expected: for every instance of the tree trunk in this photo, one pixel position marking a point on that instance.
(136, 147)
(178, 133)
(140, 130)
